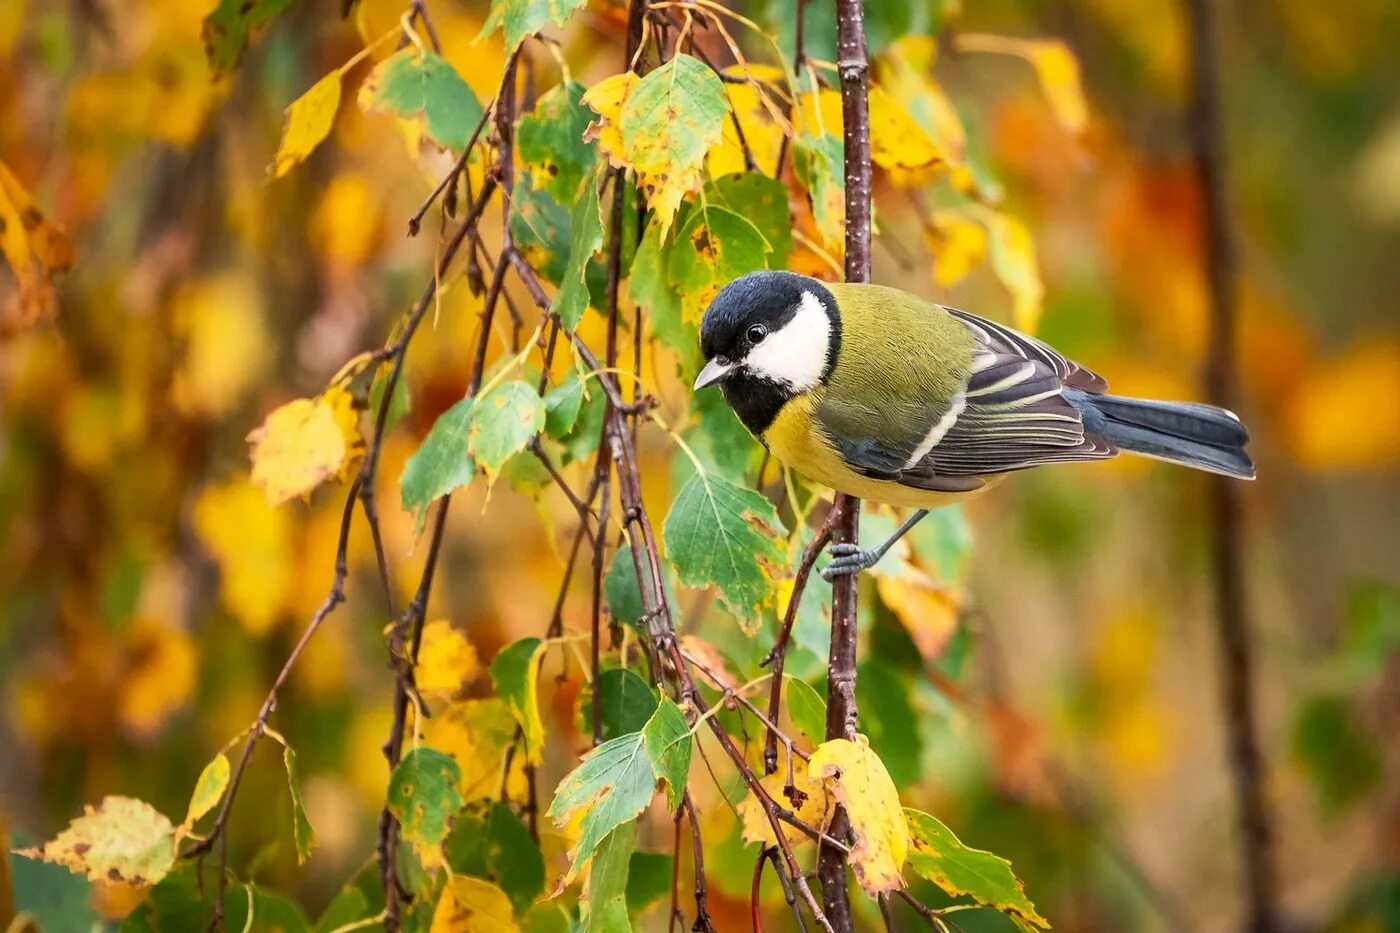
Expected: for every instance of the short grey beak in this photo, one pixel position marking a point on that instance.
(713, 372)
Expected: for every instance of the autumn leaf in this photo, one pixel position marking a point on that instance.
(228, 27)
(520, 18)
(587, 233)
(36, 251)
(305, 442)
(617, 780)
(208, 790)
(477, 735)
(806, 707)
(551, 144)
(251, 542)
(441, 463)
(303, 835)
(1055, 66)
(120, 840)
(446, 660)
(424, 795)
(662, 126)
(793, 790)
(936, 854)
(857, 778)
(714, 247)
(818, 161)
(516, 673)
(423, 89)
(927, 610)
(724, 535)
(309, 120)
(504, 420)
(473, 905)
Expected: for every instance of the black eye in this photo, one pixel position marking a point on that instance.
(756, 333)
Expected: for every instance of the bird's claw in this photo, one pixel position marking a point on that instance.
(848, 558)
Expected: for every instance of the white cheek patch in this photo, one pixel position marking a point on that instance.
(795, 354)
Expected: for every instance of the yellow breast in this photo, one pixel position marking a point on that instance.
(793, 441)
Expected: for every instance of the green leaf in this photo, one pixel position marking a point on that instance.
(349, 905)
(424, 793)
(540, 225)
(648, 879)
(943, 542)
(586, 229)
(515, 672)
(728, 443)
(514, 858)
(1370, 633)
(208, 789)
(226, 30)
(612, 785)
(302, 833)
(503, 422)
(936, 854)
(420, 86)
(603, 906)
(713, 248)
(729, 536)
(273, 911)
(520, 18)
(621, 590)
(668, 746)
(562, 405)
(60, 900)
(626, 699)
(668, 123)
(649, 285)
(764, 202)
(582, 440)
(550, 142)
(465, 846)
(441, 463)
(889, 719)
(806, 708)
(820, 166)
(1334, 751)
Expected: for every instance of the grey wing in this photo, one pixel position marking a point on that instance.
(1011, 415)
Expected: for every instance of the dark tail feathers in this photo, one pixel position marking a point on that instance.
(1199, 436)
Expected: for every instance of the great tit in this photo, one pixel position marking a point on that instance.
(877, 393)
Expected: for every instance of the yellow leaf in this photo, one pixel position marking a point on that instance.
(1055, 66)
(46, 239)
(347, 225)
(309, 120)
(35, 250)
(1329, 430)
(208, 790)
(446, 660)
(226, 345)
(477, 734)
(898, 143)
(858, 779)
(958, 243)
(121, 839)
(472, 905)
(251, 541)
(304, 443)
(1013, 256)
(813, 806)
(928, 611)
(160, 678)
(765, 137)
(606, 99)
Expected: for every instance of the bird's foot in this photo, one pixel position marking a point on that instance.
(849, 558)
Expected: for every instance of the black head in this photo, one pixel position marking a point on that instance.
(766, 337)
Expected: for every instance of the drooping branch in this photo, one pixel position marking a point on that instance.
(1236, 661)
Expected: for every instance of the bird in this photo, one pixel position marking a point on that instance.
(877, 393)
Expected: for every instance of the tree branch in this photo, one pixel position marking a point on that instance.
(1236, 661)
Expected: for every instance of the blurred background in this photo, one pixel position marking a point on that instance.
(148, 592)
